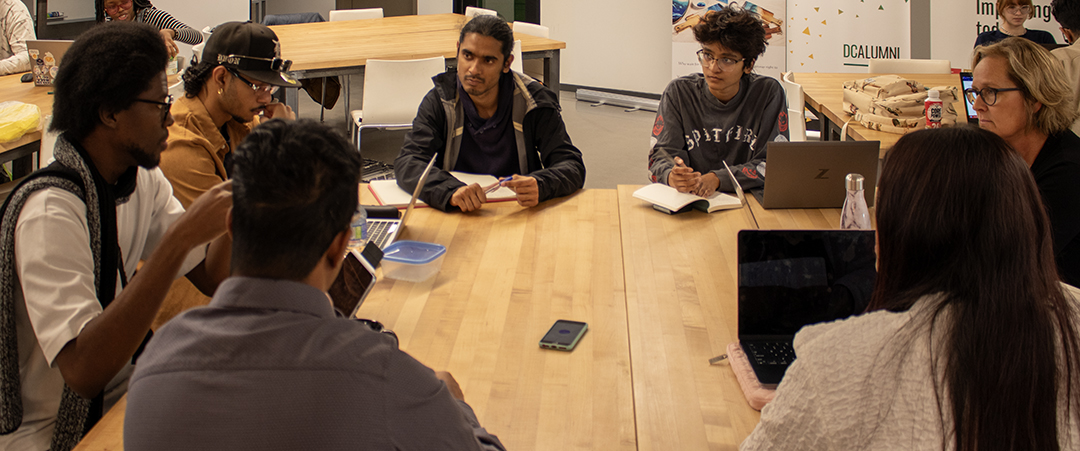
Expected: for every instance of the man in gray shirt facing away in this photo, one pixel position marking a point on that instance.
(268, 364)
(725, 114)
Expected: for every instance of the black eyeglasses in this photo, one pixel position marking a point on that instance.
(164, 106)
(258, 89)
(988, 95)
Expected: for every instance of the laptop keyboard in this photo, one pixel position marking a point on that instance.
(770, 353)
(379, 232)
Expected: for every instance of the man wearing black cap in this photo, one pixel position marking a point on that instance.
(225, 93)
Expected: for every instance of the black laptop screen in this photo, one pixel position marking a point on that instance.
(791, 278)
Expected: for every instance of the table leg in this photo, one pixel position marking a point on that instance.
(21, 167)
(348, 111)
(827, 126)
(292, 99)
(551, 70)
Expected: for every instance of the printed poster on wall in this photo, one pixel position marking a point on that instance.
(843, 35)
(955, 25)
(687, 13)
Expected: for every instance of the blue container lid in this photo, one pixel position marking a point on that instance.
(413, 252)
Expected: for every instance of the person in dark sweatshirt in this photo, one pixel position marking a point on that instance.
(484, 118)
(724, 114)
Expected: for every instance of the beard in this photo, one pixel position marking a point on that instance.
(147, 160)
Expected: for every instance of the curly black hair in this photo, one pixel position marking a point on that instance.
(195, 77)
(1067, 13)
(106, 69)
(734, 28)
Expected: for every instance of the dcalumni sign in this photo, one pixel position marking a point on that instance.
(842, 36)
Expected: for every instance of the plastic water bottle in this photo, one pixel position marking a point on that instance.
(359, 228)
(932, 109)
(855, 214)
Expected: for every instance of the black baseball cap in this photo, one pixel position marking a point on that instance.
(251, 49)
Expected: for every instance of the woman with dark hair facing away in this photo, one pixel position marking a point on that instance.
(724, 114)
(971, 340)
(1020, 93)
(1013, 14)
(143, 11)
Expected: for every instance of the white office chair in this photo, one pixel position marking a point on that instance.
(796, 125)
(909, 66)
(356, 14)
(516, 64)
(535, 67)
(532, 29)
(393, 91)
(339, 15)
(472, 11)
(796, 106)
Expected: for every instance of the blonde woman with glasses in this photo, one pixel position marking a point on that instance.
(1013, 15)
(1021, 94)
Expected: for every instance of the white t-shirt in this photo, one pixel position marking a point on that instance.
(55, 268)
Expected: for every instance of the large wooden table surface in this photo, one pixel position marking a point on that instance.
(11, 88)
(681, 310)
(509, 273)
(824, 94)
(659, 294)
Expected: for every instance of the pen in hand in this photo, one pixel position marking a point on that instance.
(494, 186)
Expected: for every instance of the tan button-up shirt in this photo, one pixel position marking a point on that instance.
(195, 160)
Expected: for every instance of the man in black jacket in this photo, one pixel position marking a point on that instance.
(486, 119)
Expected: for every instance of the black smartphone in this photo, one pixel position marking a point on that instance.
(564, 335)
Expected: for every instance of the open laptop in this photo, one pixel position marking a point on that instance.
(382, 232)
(810, 174)
(969, 108)
(45, 58)
(791, 278)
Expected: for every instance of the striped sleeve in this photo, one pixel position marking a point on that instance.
(165, 21)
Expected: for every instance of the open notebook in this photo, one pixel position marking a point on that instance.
(669, 200)
(387, 192)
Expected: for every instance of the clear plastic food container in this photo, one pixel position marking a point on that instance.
(412, 261)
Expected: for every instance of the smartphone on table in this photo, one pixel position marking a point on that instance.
(564, 335)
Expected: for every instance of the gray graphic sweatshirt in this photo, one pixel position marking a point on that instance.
(693, 125)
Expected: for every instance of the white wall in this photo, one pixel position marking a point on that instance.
(617, 45)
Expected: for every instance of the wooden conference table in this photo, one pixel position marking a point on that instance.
(327, 49)
(658, 292)
(824, 95)
(21, 150)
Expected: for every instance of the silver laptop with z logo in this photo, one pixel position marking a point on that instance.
(810, 174)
